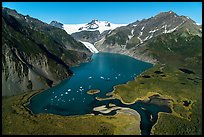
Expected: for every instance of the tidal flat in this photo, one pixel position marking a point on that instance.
(187, 118)
(15, 114)
(157, 90)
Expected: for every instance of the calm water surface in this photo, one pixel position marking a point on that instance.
(103, 72)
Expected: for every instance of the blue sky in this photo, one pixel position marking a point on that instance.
(115, 12)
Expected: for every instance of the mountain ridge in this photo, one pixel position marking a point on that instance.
(35, 55)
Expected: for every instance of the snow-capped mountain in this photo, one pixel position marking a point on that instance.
(94, 25)
(126, 38)
(88, 33)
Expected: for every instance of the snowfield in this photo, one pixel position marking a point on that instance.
(101, 26)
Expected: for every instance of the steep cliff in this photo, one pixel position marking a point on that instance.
(35, 55)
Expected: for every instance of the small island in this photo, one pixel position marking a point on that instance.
(93, 91)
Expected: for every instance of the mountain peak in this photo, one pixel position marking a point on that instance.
(96, 24)
(93, 25)
(171, 12)
(94, 21)
(166, 13)
(56, 24)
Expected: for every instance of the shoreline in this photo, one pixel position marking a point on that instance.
(93, 91)
(120, 98)
(143, 60)
(28, 97)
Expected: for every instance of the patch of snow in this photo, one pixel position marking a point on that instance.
(152, 31)
(26, 19)
(146, 38)
(141, 33)
(198, 23)
(109, 32)
(163, 26)
(140, 39)
(134, 25)
(132, 31)
(151, 36)
(132, 34)
(90, 47)
(101, 26)
(171, 30)
(142, 28)
(165, 29)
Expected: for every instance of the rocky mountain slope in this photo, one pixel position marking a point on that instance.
(57, 24)
(35, 55)
(131, 39)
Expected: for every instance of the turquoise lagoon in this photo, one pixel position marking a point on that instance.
(103, 72)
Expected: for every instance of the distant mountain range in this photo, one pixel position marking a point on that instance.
(130, 38)
(88, 32)
(36, 55)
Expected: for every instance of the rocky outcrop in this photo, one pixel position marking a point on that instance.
(56, 24)
(35, 55)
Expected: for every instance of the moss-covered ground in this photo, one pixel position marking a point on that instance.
(170, 84)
